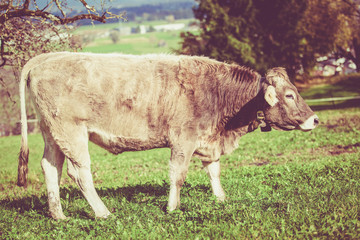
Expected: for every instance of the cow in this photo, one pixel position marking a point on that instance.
(196, 106)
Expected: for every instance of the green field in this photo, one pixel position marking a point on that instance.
(151, 42)
(279, 185)
(137, 44)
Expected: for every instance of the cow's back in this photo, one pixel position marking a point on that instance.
(122, 100)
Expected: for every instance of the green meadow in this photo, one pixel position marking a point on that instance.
(279, 185)
(150, 42)
(137, 44)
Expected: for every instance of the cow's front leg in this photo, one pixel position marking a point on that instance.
(213, 171)
(179, 165)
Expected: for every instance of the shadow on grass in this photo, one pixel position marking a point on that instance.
(133, 194)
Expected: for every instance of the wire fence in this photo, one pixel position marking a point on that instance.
(333, 99)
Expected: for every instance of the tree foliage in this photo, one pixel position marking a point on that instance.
(328, 28)
(28, 29)
(267, 33)
(349, 23)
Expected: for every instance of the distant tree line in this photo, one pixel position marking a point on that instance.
(267, 33)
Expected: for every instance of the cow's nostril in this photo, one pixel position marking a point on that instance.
(316, 121)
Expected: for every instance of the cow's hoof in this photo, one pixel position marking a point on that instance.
(59, 216)
(104, 216)
(221, 198)
(176, 212)
(171, 209)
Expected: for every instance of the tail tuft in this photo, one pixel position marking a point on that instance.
(23, 166)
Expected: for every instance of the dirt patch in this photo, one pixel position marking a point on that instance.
(343, 124)
(337, 150)
(314, 153)
(260, 162)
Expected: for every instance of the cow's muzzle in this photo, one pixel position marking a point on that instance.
(310, 123)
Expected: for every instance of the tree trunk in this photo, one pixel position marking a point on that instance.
(356, 57)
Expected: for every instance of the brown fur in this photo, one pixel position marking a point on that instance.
(193, 105)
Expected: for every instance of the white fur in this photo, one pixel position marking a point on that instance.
(309, 124)
(213, 171)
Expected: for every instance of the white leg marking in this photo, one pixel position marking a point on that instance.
(213, 171)
(179, 165)
(51, 164)
(174, 196)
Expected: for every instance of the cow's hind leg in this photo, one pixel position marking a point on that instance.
(79, 170)
(52, 164)
(213, 171)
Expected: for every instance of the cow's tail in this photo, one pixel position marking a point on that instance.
(24, 150)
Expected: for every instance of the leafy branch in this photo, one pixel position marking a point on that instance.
(41, 26)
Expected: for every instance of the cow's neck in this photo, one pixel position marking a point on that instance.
(248, 118)
(260, 116)
(237, 121)
(251, 115)
(237, 90)
(238, 96)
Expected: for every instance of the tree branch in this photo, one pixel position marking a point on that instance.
(346, 54)
(83, 16)
(4, 7)
(60, 8)
(26, 4)
(92, 9)
(27, 13)
(3, 59)
(54, 18)
(3, 84)
(12, 11)
(354, 6)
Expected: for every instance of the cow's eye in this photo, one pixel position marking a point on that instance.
(290, 96)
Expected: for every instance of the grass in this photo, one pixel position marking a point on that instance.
(279, 185)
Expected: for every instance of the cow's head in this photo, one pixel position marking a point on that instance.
(285, 108)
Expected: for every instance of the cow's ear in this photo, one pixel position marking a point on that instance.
(270, 96)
